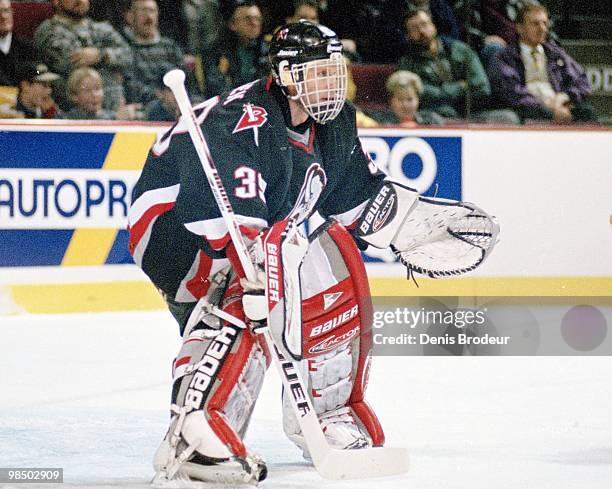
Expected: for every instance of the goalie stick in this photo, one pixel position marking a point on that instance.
(331, 463)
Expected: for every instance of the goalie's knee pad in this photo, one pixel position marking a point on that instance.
(217, 374)
(337, 318)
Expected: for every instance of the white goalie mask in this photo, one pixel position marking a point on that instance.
(308, 65)
(320, 85)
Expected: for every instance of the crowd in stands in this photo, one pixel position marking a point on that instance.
(105, 59)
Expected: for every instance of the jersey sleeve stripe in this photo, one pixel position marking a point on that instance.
(215, 230)
(149, 199)
(142, 228)
(137, 249)
(350, 217)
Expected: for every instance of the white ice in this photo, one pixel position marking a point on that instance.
(89, 393)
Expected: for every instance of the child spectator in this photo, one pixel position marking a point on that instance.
(85, 90)
(404, 89)
(34, 99)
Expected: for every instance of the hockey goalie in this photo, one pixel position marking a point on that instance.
(214, 223)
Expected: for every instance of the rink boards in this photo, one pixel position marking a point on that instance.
(65, 190)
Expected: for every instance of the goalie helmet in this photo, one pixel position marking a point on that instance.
(308, 65)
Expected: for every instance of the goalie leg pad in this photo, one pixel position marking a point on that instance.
(336, 331)
(217, 378)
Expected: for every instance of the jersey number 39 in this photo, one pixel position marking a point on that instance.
(251, 185)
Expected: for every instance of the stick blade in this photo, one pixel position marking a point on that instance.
(363, 463)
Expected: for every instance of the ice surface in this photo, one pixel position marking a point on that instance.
(89, 393)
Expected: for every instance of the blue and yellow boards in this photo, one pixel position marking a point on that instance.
(64, 196)
(65, 190)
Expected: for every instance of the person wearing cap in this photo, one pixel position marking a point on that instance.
(13, 49)
(34, 99)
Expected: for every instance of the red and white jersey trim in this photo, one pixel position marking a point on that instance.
(348, 218)
(142, 215)
(197, 280)
(150, 198)
(216, 232)
(138, 245)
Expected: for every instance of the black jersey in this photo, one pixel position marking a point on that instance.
(269, 169)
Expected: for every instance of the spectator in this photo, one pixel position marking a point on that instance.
(240, 55)
(309, 10)
(442, 15)
(204, 24)
(34, 99)
(72, 40)
(536, 77)
(454, 81)
(153, 54)
(373, 25)
(376, 25)
(12, 49)
(304, 9)
(163, 108)
(498, 18)
(85, 89)
(404, 89)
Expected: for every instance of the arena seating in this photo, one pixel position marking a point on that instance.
(594, 56)
(370, 81)
(29, 15)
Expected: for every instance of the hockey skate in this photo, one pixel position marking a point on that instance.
(178, 465)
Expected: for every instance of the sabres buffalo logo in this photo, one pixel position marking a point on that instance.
(253, 117)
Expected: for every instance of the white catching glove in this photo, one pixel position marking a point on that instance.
(442, 238)
(431, 236)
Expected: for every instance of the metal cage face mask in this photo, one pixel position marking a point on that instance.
(321, 86)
